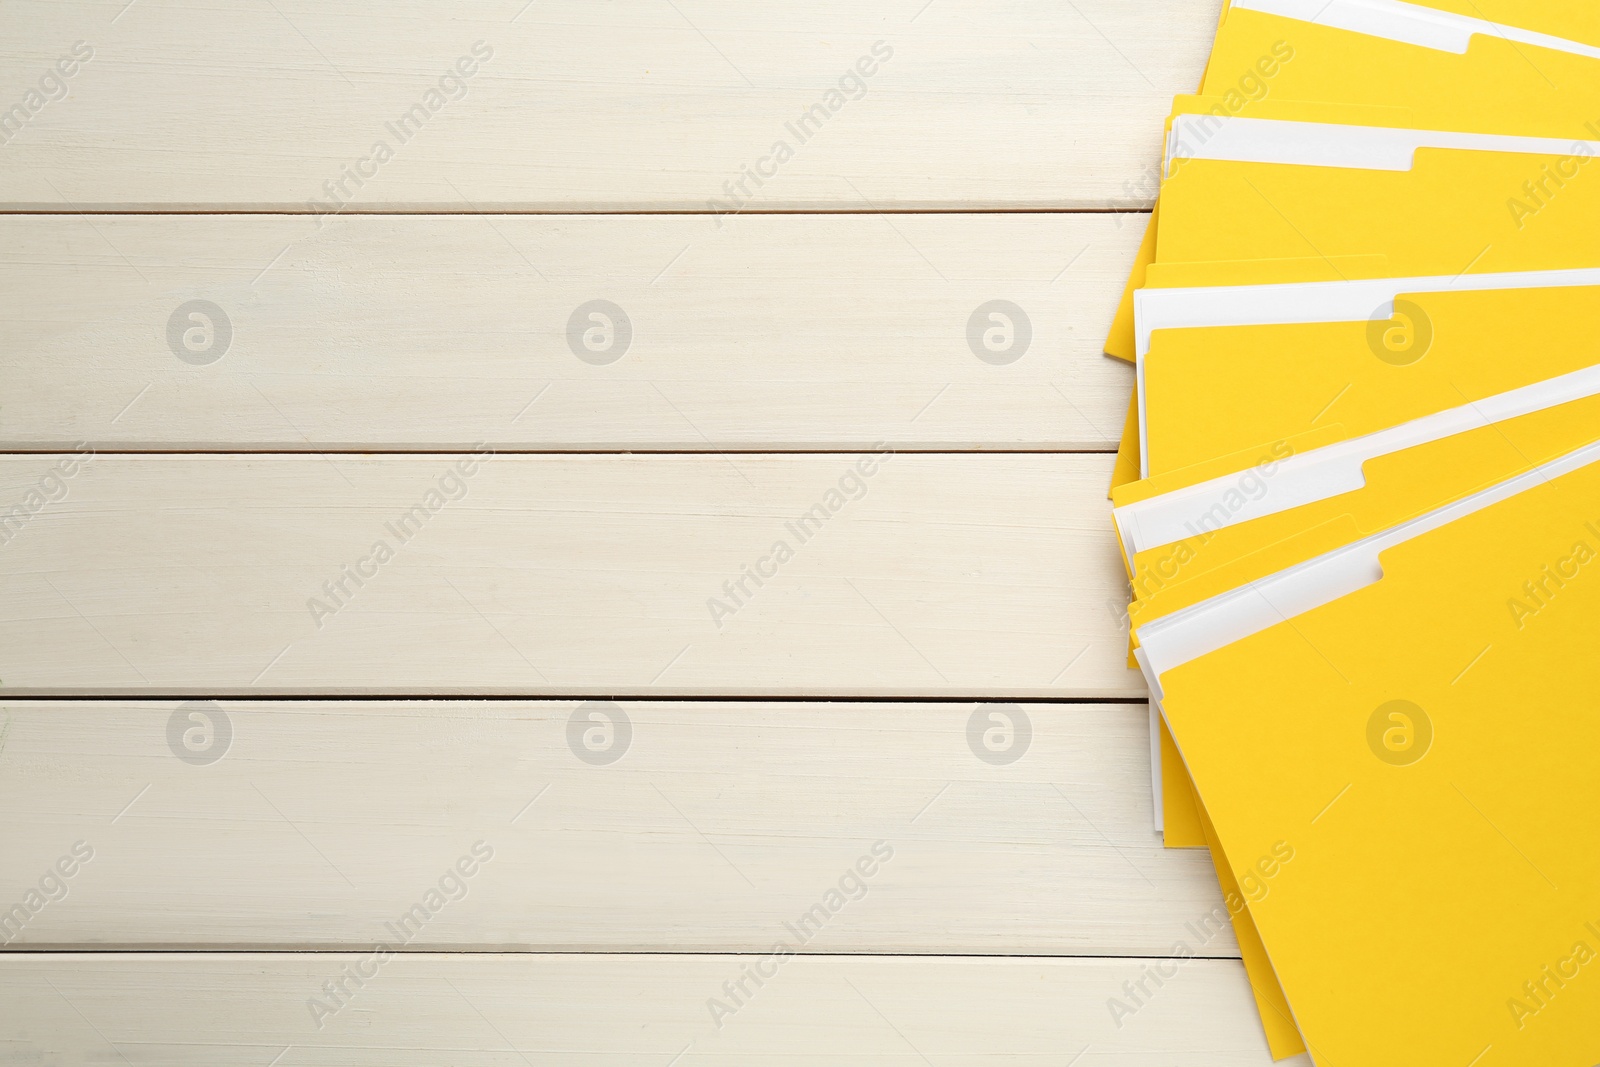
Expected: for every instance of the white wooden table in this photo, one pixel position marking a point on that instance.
(485, 588)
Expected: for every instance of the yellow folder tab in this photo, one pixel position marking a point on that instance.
(1443, 903)
(1284, 60)
(1250, 390)
(1429, 202)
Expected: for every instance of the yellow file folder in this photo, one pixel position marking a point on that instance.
(1442, 905)
(1326, 201)
(1254, 391)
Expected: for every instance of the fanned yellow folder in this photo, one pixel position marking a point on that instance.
(1273, 200)
(1422, 748)
(1256, 392)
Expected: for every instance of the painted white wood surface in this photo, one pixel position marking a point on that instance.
(355, 329)
(396, 333)
(955, 575)
(505, 1011)
(632, 826)
(625, 105)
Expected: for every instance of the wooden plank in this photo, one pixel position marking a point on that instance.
(639, 105)
(952, 575)
(611, 1011)
(392, 333)
(698, 826)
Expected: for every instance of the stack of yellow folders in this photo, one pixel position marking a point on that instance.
(1359, 502)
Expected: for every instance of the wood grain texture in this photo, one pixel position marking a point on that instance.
(412, 291)
(395, 333)
(610, 1011)
(952, 575)
(627, 105)
(695, 826)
